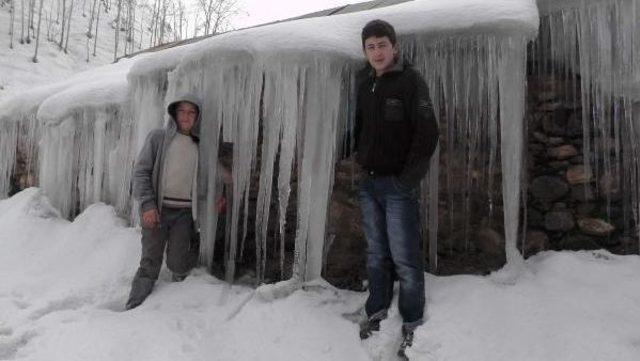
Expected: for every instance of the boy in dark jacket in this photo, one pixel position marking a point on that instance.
(396, 134)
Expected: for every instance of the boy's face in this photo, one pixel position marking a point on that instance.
(186, 114)
(380, 53)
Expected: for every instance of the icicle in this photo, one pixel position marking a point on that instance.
(292, 97)
(317, 148)
(511, 77)
(276, 83)
(57, 165)
(432, 204)
(8, 146)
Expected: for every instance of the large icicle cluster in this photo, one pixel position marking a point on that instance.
(305, 113)
(477, 86)
(284, 96)
(68, 134)
(595, 45)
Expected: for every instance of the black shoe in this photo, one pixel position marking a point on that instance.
(140, 289)
(407, 341)
(368, 326)
(175, 277)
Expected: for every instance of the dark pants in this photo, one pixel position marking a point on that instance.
(390, 215)
(176, 233)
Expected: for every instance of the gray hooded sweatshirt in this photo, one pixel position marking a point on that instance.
(148, 170)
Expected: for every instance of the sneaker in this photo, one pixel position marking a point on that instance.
(175, 277)
(407, 341)
(368, 326)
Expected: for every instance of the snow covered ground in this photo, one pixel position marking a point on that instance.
(18, 71)
(64, 285)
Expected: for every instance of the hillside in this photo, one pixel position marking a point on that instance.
(17, 69)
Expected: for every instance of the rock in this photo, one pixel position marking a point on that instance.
(534, 218)
(559, 165)
(536, 148)
(563, 152)
(630, 244)
(578, 242)
(490, 241)
(577, 174)
(609, 241)
(608, 184)
(548, 188)
(546, 96)
(456, 242)
(555, 140)
(582, 193)
(550, 106)
(618, 218)
(577, 160)
(585, 209)
(574, 125)
(535, 120)
(555, 121)
(559, 221)
(559, 206)
(595, 227)
(540, 137)
(536, 241)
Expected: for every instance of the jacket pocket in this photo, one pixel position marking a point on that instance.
(393, 110)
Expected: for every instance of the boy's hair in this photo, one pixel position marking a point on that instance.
(378, 28)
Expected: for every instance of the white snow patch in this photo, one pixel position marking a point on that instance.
(65, 283)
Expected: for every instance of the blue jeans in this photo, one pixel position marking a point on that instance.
(390, 216)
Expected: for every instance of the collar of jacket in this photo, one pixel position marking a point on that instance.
(398, 67)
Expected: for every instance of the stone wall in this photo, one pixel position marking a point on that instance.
(572, 204)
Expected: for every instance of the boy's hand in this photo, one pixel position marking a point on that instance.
(150, 218)
(221, 205)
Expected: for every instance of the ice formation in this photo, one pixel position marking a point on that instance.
(290, 86)
(595, 45)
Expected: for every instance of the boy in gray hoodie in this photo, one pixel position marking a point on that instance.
(164, 183)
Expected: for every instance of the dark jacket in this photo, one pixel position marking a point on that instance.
(396, 131)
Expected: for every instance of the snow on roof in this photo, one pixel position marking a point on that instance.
(78, 91)
(340, 34)
(548, 6)
(99, 93)
(163, 60)
(335, 36)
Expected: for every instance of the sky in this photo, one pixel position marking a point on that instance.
(261, 11)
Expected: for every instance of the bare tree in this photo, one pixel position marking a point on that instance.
(49, 15)
(22, 23)
(195, 26)
(182, 19)
(66, 43)
(90, 27)
(29, 21)
(131, 18)
(141, 22)
(154, 22)
(35, 55)
(13, 18)
(117, 30)
(217, 14)
(64, 18)
(58, 12)
(163, 23)
(175, 27)
(95, 41)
